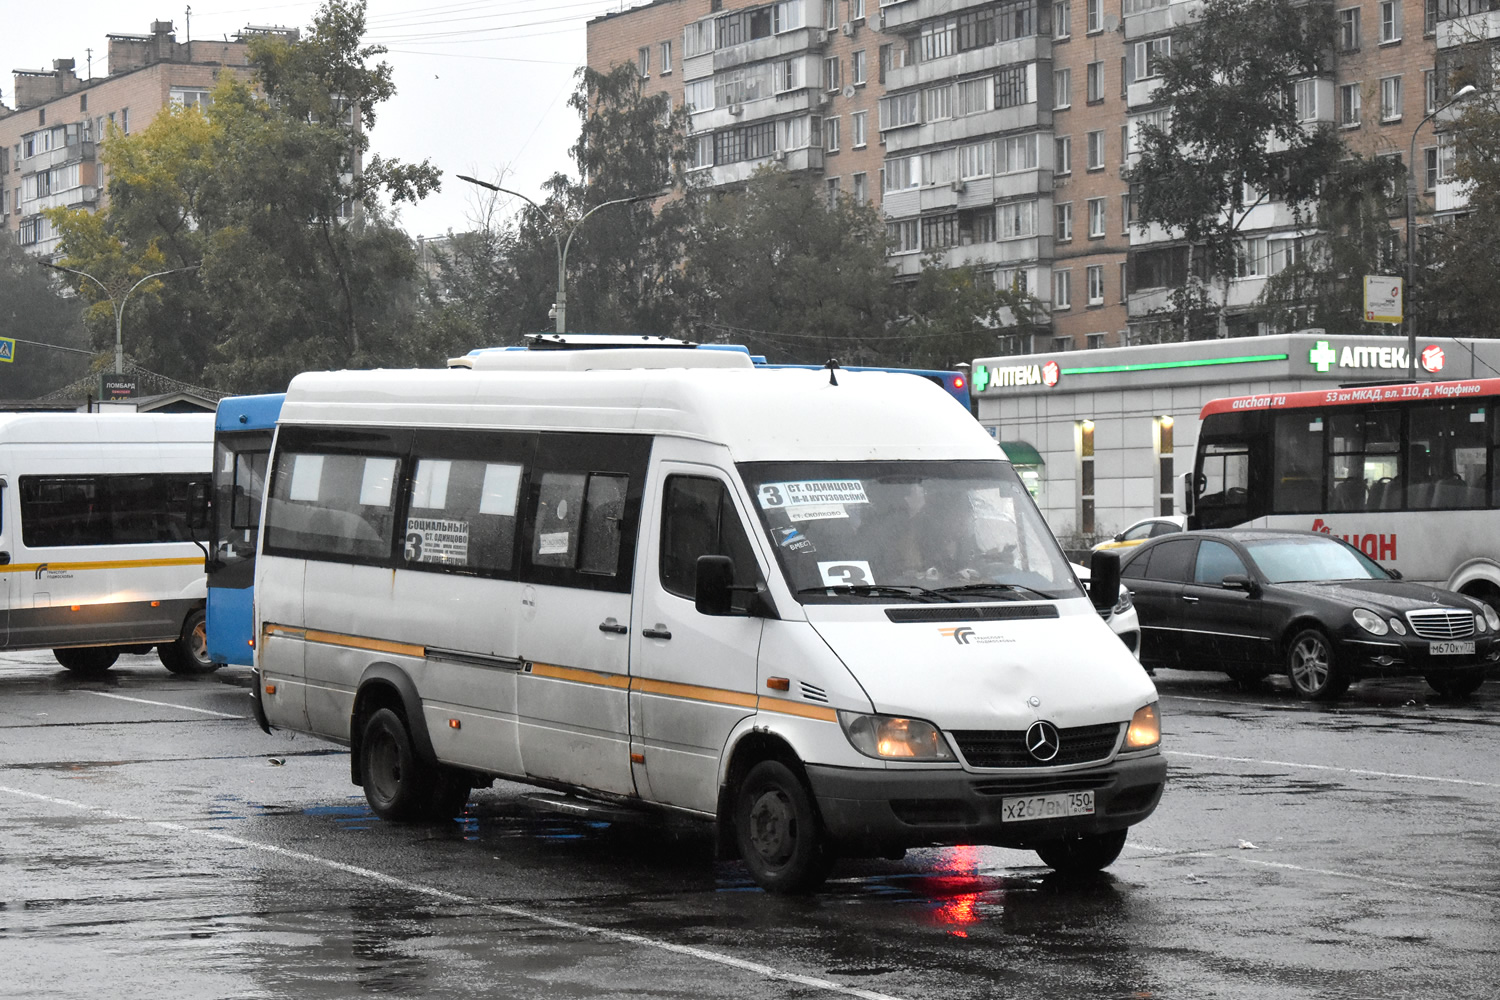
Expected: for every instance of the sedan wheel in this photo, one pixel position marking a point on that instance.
(1312, 669)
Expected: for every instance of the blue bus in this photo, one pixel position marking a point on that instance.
(954, 383)
(242, 447)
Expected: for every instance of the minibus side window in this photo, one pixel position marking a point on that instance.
(699, 519)
(462, 516)
(338, 505)
(559, 514)
(603, 511)
(63, 510)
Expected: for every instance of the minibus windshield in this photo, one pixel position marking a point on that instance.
(855, 532)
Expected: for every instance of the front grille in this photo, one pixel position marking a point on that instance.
(1007, 747)
(1041, 785)
(1441, 624)
(970, 613)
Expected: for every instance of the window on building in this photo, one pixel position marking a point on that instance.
(1016, 220)
(1095, 14)
(1095, 82)
(1390, 99)
(1127, 213)
(899, 110)
(698, 95)
(1429, 91)
(833, 186)
(1390, 21)
(1062, 289)
(1349, 29)
(1429, 17)
(1307, 100)
(976, 226)
(940, 231)
(1096, 217)
(698, 38)
(830, 13)
(831, 134)
(1064, 215)
(1063, 153)
(1062, 88)
(1085, 429)
(1430, 168)
(183, 97)
(1096, 150)
(903, 236)
(1094, 274)
(832, 75)
(976, 160)
(861, 188)
(643, 61)
(1094, 341)
(975, 96)
(939, 167)
(1018, 152)
(902, 173)
(857, 68)
(1010, 87)
(125, 120)
(666, 58)
(1148, 56)
(859, 126)
(937, 103)
(1349, 104)
(1061, 15)
(700, 151)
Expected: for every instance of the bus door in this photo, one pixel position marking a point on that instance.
(694, 675)
(7, 556)
(239, 484)
(572, 697)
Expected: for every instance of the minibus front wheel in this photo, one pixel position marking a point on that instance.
(779, 832)
(398, 786)
(1082, 855)
(87, 659)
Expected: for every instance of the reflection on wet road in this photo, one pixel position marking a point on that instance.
(151, 845)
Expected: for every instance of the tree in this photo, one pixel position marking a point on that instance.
(299, 267)
(953, 314)
(779, 267)
(1233, 142)
(31, 309)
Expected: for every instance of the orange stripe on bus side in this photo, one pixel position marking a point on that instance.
(579, 675)
(67, 567)
(694, 692)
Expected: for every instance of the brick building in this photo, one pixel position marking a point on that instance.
(49, 142)
(997, 131)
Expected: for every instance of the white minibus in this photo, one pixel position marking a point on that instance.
(98, 519)
(815, 608)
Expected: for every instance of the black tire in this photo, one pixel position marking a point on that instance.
(1456, 683)
(189, 653)
(1312, 667)
(87, 660)
(1248, 678)
(779, 833)
(136, 650)
(1082, 855)
(398, 786)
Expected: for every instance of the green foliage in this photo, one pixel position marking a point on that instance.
(952, 315)
(1233, 125)
(33, 308)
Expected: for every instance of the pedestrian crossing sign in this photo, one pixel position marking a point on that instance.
(7, 349)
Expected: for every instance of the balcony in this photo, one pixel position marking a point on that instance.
(1142, 93)
(1458, 31)
(76, 153)
(1153, 17)
(895, 16)
(84, 194)
(788, 43)
(806, 158)
(951, 130)
(1018, 50)
(789, 102)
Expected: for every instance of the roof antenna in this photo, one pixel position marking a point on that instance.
(832, 366)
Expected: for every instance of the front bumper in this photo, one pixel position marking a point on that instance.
(1385, 657)
(876, 811)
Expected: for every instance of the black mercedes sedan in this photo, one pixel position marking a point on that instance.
(1251, 601)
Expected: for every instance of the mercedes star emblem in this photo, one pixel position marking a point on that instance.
(1042, 741)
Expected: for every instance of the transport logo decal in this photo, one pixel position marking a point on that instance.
(964, 635)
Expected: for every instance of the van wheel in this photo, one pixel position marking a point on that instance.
(400, 787)
(779, 834)
(1311, 667)
(189, 653)
(1456, 683)
(87, 659)
(1082, 855)
(450, 793)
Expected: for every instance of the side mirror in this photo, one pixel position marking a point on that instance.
(1119, 536)
(1188, 493)
(1237, 581)
(1104, 580)
(712, 594)
(1395, 574)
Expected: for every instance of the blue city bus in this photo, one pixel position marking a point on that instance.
(242, 447)
(954, 383)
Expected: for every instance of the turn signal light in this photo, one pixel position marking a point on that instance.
(76, 607)
(778, 684)
(270, 689)
(156, 604)
(1145, 728)
(637, 758)
(455, 724)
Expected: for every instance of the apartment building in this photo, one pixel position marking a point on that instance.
(49, 142)
(998, 131)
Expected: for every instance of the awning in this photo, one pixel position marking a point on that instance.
(1021, 453)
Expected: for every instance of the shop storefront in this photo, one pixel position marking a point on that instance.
(1103, 437)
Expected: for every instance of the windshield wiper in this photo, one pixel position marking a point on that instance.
(877, 590)
(979, 588)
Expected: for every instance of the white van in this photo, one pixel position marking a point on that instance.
(815, 607)
(98, 516)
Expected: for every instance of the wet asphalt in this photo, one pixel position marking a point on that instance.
(151, 845)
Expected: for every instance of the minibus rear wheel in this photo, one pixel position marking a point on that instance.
(779, 832)
(397, 784)
(189, 653)
(1082, 855)
(87, 659)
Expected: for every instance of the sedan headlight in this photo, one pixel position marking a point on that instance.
(1125, 603)
(1370, 622)
(890, 737)
(1492, 616)
(1145, 728)
(1480, 624)
(1397, 627)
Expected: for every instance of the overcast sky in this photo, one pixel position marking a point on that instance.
(481, 87)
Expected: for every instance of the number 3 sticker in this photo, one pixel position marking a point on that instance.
(851, 573)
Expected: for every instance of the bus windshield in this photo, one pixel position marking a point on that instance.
(850, 532)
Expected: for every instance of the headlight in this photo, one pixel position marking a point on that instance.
(1492, 616)
(1124, 604)
(1479, 623)
(1370, 621)
(891, 738)
(1397, 627)
(1145, 728)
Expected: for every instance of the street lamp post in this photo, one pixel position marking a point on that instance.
(118, 307)
(560, 307)
(1411, 228)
